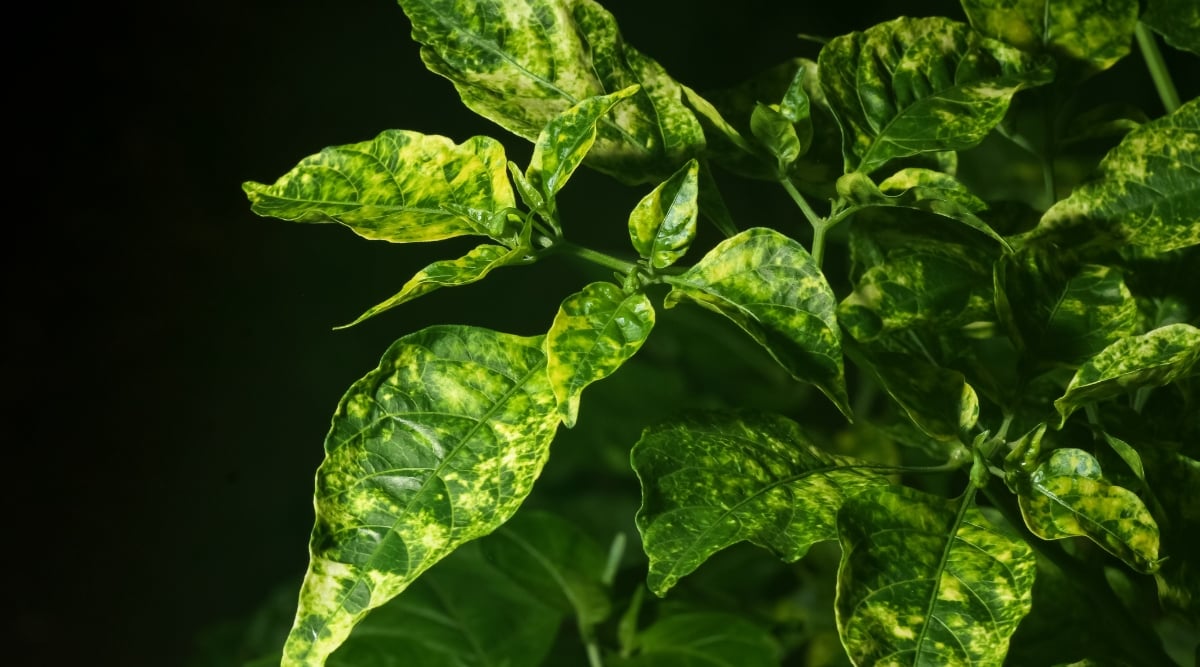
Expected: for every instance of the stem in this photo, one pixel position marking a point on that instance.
(818, 247)
(1158, 67)
(813, 219)
(1049, 110)
(595, 257)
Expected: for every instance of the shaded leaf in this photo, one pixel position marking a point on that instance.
(1150, 360)
(663, 224)
(1095, 32)
(923, 584)
(704, 639)
(400, 187)
(595, 331)
(436, 447)
(772, 288)
(712, 480)
(1178, 21)
(920, 85)
(937, 400)
(1068, 497)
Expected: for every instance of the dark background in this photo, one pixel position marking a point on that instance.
(169, 363)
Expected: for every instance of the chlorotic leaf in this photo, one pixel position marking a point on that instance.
(436, 447)
(939, 401)
(400, 187)
(712, 480)
(920, 85)
(562, 145)
(1178, 21)
(923, 584)
(705, 639)
(1095, 32)
(1069, 497)
(521, 63)
(663, 224)
(596, 330)
(770, 286)
(1150, 360)
(472, 267)
(1146, 193)
(775, 132)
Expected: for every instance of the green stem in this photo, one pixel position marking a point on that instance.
(813, 219)
(1158, 67)
(595, 257)
(1049, 110)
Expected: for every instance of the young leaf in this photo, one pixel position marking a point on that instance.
(436, 447)
(596, 330)
(713, 480)
(708, 639)
(923, 584)
(1069, 497)
(925, 85)
(1095, 32)
(1146, 193)
(520, 63)
(769, 285)
(1178, 21)
(937, 400)
(663, 224)
(400, 187)
(774, 131)
(1150, 360)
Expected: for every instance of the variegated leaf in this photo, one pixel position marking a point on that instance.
(438, 446)
(705, 639)
(939, 401)
(922, 582)
(776, 133)
(1068, 497)
(1146, 194)
(520, 63)
(712, 480)
(562, 145)
(1095, 32)
(1178, 21)
(663, 224)
(596, 331)
(1150, 360)
(770, 286)
(920, 85)
(401, 187)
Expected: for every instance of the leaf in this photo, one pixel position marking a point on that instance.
(776, 132)
(1178, 21)
(1146, 193)
(712, 480)
(400, 187)
(1094, 32)
(472, 267)
(1150, 360)
(436, 447)
(705, 639)
(923, 584)
(939, 401)
(520, 63)
(769, 285)
(912, 86)
(596, 330)
(1069, 497)
(663, 224)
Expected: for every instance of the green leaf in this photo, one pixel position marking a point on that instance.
(1069, 497)
(705, 639)
(769, 285)
(920, 85)
(923, 584)
(937, 400)
(596, 330)
(436, 447)
(663, 224)
(472, 267)
(1097, 33)
(400, 187)
(712, 480)
(776, 132)
(565, 141)
(1178, 21)
(1146, 193)
(1127, 453)
(796, 106)
(521, 63)
(1150, 360)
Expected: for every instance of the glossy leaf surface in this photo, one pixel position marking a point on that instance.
(1178, 21)
(919, 85)
(712, 480)
(596, 330)
(663, 224)
(436, 447)
(770, 286)
(921, 585)
(401, 187)
(562, 145)
(1095, 32)
(704, 639)
(1069, 497)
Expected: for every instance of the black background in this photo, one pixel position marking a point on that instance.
(169, 363)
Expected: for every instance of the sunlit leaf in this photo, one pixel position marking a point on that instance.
(770, 286)
(775, 132)
(1068, 496)
(923, 582)
(1178, 21)
(712, 480)
(1095, 32)
(401, 187)
(920, 85)
(565, 141)
(436, 447)
(937, 400)
(663, 224)
(1150, 360)
(596, 330)
(704, 639)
